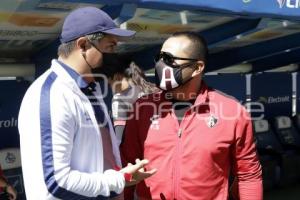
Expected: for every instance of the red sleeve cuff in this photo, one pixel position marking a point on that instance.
(127, 176)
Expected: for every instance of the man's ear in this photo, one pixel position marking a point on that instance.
(81, 43)
(199, 68)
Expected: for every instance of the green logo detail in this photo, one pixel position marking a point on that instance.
(263, 99)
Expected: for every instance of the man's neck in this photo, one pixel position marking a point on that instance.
(186, 92)
(80, 68)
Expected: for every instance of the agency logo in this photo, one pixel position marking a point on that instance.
(289, 3)
(271, 100)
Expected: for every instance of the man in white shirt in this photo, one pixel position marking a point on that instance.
(68, 145)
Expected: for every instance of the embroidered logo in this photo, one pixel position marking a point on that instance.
(211, 121)
(87, 116)
(10, 158)
(154, 122)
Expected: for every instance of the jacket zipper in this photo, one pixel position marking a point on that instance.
(177, 161)
(179, 133)
(177, 165)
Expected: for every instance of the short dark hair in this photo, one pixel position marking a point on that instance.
(65, 49)
(198, 47)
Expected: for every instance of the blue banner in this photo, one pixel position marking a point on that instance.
(289, 9)
(12, 93)
(272, 94)
(256, 8)
(231, 84)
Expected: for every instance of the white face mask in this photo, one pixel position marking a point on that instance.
(168, 78)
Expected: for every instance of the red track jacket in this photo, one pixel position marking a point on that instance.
(193, 158)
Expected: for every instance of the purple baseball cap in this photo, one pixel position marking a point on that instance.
(88, 20)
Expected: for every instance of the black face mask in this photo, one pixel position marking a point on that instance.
(105, 69)
(112, 64)
(106, 57)
(168, 78)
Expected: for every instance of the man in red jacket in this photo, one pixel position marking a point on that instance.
(192, 134)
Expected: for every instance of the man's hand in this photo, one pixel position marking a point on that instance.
(137, 171)
(12, 193)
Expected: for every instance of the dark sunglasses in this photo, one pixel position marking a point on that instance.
(169, 59)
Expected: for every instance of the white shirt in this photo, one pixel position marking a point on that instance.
(61, 144)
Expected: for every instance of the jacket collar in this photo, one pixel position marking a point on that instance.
(74, 75)
(65, 77)
(202, 96)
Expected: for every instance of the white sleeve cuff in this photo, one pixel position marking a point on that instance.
(115, 180)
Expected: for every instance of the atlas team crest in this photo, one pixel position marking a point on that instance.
(211, 121)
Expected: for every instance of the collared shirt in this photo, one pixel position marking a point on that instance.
(77, 77)
(88, 89)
